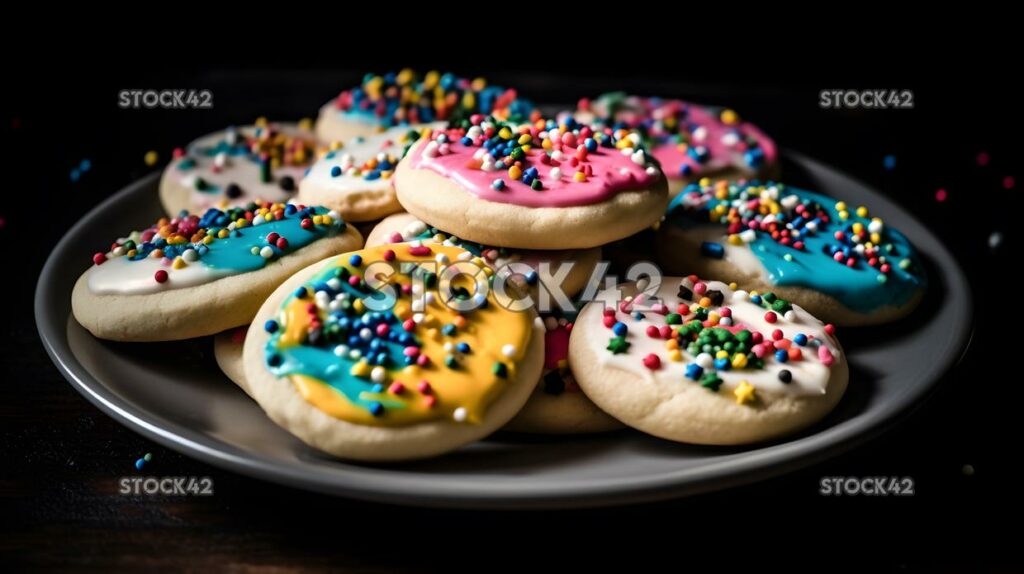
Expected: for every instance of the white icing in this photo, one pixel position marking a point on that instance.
(356, 153)
(122, 276)
(810, 375)
(239, 170)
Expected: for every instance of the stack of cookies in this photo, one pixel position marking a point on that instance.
(478, 300)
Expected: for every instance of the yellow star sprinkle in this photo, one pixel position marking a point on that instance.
(744, 393)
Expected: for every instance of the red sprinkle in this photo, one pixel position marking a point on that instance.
(99, 258)
(771, 317)
(389, 255)
(282, 243)
(160, 276)
(652, 362)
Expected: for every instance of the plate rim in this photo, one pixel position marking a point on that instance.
(378, 484)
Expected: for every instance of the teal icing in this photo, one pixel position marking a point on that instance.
(342, 327)
(235, 252)
(858, 288)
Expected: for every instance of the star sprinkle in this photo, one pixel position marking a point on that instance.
(618, 345)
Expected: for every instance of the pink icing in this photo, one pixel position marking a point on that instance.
(721, 153)
(608, 170)
(556, 347)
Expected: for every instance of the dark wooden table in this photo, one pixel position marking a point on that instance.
(61, 459)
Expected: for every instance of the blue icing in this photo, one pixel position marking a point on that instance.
(234, 253)
(316, 359)
(858, 287)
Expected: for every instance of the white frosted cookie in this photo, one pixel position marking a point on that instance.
(690, 141)
(834, 260)
(532, 186)
(237, 166)
(369, 356)
(191, 276)
(354, 177)
(696, 361)
(406, 98)
(227, 351)
(557, 405)
(405, 227)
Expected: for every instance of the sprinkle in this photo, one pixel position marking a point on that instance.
(160, 276)
(151, 158)
(889, 162)
(618, 345)
(771, 317)
(785, 376)
(994, 240)
(508, 350)
(1009, 182)
(652, 362)
(744, 393)
(459, 414)
(712, 249)
(941, 195)
(500, 370)
(982, 158)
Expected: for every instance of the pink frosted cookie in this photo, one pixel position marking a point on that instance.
(238, 166)
(536, 186)
(690, 141)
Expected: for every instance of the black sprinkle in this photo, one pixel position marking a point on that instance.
(554, 384)
(785, 376)
(287, 183)
(233, 191)
(685, 294)
(716, 297)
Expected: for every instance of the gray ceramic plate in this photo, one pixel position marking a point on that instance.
(174, 394)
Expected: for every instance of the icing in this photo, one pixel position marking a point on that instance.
(693, 332)
(688, 140)
(412, 361)
(800, 238)
(364, 164)
(557, 378)
(189, 250)
(239, 165)
(403, 98)
(539, 165)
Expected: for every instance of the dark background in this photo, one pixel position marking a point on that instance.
(60, 458)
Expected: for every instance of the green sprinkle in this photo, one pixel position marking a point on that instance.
(500, 370)
(673, 319)
(711, 381)
(618, 345)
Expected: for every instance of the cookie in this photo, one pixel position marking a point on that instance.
(410, 371)
(699, 362)
(406, 99)
(238, 165)
(557, 405)
(227, 351)
(355, 178)
(691, 141)
(405, 227)
(835, 260)
(536, 186)
(192, 276)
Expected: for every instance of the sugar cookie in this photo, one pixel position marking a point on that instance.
(354, 178)
(239, 165)
(536, 186)
(836, 261)
(191, 276)
(405, 99)
(557, 405)
(394, 372)
(691, 141)
(227, 351)
(695, 361)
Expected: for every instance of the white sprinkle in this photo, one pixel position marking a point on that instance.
(556, 173)
(341, 350)
(995, 240)
(508, 350)
(441, 258)
(700, 134)
(190, 255)
(378, 375)
(267, 252)
(459, 415)
(365, 334)
(705, 361)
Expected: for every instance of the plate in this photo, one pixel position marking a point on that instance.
(174, 394)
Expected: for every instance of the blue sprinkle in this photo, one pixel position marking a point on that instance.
(620, 329)
(781, 356)
(270, 326)
(722, 364)
(889, 162)
(75, 174)
(755, 299)
(694, 371)
(591, 144)
(301, 293)
(377, 388)
(498, 185)
(335, 171)
(532, 277)
(140, 463)
(800, 339)
(685, 170)
(376, 409)
(712, 249)
(85, 165)
(448, 329)
(466, 140)
(463, 347)
(355, 260)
